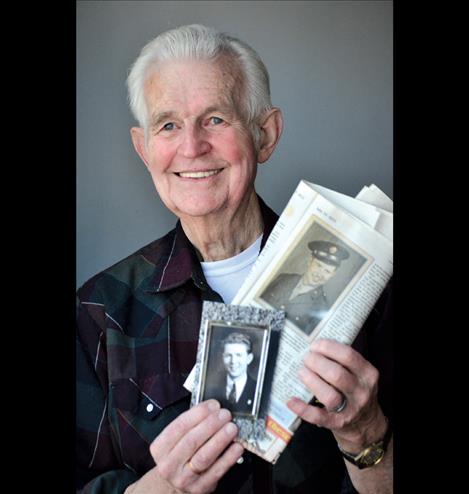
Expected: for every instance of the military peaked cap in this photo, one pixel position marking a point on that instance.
(328, 252)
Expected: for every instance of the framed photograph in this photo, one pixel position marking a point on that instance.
(233, 355)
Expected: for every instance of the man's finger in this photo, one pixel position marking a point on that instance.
(219, 468)
(208, 453)
(194, 439)
(360, 369)
(344, 354)
(326, 394)
(171, 435)
(331, 372)
(313, 415)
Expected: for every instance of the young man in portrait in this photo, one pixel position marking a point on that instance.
(235, 389)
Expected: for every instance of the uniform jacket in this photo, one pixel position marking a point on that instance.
(305, 310)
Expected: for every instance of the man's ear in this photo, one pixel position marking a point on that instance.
(250, 357)
(138, 139)
(271, 130)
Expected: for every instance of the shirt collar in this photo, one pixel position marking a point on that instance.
(238, 380)
(176, 260)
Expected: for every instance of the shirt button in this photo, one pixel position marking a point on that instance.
(240, 460)
(150, 407)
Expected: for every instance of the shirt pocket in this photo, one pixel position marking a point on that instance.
(148, 397)
(142, 387)
(141, 410)
(139, 373)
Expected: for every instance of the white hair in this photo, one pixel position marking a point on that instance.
(199, 42)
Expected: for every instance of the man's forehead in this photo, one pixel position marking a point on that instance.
(322, 264)
(168, 82)
(235, 347)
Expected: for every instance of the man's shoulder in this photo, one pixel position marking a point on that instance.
(130, 273)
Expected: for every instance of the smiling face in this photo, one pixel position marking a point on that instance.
(319, 272)
(199, 151)
(236, 359)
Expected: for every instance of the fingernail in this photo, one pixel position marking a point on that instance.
(239, 451)
(293, 404)
(230, 428)
(213, 405)
(224, 414)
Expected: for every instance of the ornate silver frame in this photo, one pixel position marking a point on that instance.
(219, 319)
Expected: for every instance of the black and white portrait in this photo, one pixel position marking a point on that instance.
(312, 276)
(233, 374)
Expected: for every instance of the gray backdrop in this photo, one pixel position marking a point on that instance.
(331, 74)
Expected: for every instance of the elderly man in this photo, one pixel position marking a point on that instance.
(203, 105)
(302, 296)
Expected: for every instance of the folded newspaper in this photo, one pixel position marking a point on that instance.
(325, 264)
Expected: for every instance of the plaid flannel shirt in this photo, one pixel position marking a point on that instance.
(137, 335)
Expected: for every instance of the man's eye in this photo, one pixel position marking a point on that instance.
(216, 120)
(168, 126)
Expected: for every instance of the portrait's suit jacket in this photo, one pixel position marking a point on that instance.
(216, 389)
(246, 400)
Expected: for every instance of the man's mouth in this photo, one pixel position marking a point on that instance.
(201, 174)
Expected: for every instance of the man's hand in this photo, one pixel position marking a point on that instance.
(192, 453)
(334, 371)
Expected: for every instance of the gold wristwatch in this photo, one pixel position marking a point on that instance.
(372, 454)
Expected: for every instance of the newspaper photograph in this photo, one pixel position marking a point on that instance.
(312, 276)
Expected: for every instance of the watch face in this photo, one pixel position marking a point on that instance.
(371, 456)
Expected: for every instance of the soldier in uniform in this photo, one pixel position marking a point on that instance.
(302, 297)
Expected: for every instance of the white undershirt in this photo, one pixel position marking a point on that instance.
(227, 276)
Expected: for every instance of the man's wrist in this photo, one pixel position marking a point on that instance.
(365, 436)
(372, 453)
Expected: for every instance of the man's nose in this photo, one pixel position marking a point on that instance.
(194, 142)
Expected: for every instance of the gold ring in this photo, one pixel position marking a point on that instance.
(194, 470)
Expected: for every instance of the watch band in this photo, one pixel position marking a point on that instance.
(372, 454)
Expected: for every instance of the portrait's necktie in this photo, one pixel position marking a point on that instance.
(232, 396)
